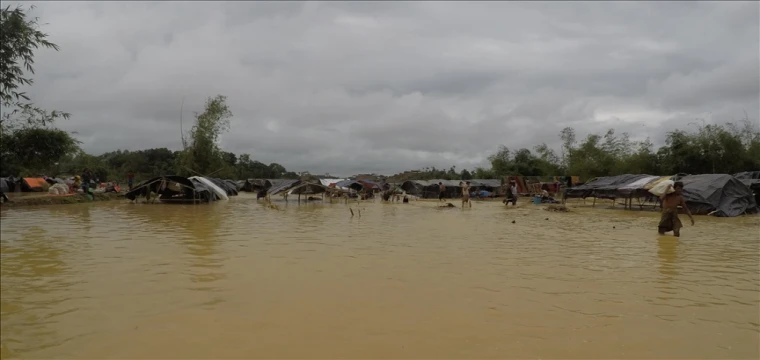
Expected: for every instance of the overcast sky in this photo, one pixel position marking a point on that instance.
(350, 87)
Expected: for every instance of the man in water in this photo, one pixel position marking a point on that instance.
(441, 191)
(511, 195)
(466, 194)
(669, 220)
(130, 180)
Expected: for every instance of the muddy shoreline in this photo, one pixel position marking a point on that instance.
(44, 199)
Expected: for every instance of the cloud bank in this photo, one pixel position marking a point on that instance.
(349, 87)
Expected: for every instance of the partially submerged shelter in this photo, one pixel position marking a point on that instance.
(429, 189)
(283, 186)
(718, 194)
(4, 186)
(173, 189)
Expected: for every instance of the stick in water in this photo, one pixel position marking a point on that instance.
(352, 212)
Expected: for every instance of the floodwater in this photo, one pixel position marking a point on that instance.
(239, 279)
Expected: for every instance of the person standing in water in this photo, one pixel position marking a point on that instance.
(466, 194)
(441, 191)
(669, 220)
(130, 180)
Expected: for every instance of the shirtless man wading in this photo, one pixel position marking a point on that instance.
(669, 220)
(466, 194)
(442, 191)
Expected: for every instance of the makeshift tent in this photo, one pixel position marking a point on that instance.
(429, 189)
(283, 186)
(4, 188)
(309, 189)
(750, 178)
(240, 185)
(603, 187)
(718, 194)
(33, 184)
(609, 187)
(370, 185)
(330, 182)
(172, 189)
(486, 183)
(229, 189)
(220, 193)
(232, 185)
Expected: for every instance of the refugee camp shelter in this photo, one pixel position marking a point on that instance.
(718, 194)
(173, 189)
(283, 186)
(603, 187)
(4, 186)
(330, 182)
(30, 184)
(349, 184)
(490, 185)
(429, 189)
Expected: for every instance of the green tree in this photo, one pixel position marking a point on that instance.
(34, 151)
(203, 155)
(465, 175)
(20, 38)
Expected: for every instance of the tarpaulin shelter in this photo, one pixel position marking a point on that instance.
(4, 187)
(173, 189)
(750, 178)
(636, 188)
(718, 194)
(229, 189)
(350, 184)
(370, 185)
(429, 189)
(283, 186)
(330, 182)
(33, 184)
(602, 187)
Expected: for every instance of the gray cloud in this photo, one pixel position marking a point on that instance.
(348, 87)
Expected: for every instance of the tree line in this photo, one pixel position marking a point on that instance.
(30, 145)
(702, 149)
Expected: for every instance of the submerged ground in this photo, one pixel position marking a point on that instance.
(239, 279)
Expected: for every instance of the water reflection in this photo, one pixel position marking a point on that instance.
(667, 252)
(34, 285)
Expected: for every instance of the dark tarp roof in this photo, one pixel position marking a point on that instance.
(229, 189)
(283, 185)
(4, 186)
(724, 194)
(750, 178)
(188, 185)
(603, 187)
(492, 183)
(309, 189)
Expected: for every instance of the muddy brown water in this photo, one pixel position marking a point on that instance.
(238, 279)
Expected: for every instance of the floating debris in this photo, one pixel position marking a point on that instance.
(557, 208)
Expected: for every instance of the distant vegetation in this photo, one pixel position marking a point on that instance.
(30, 145)
(726, 149)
